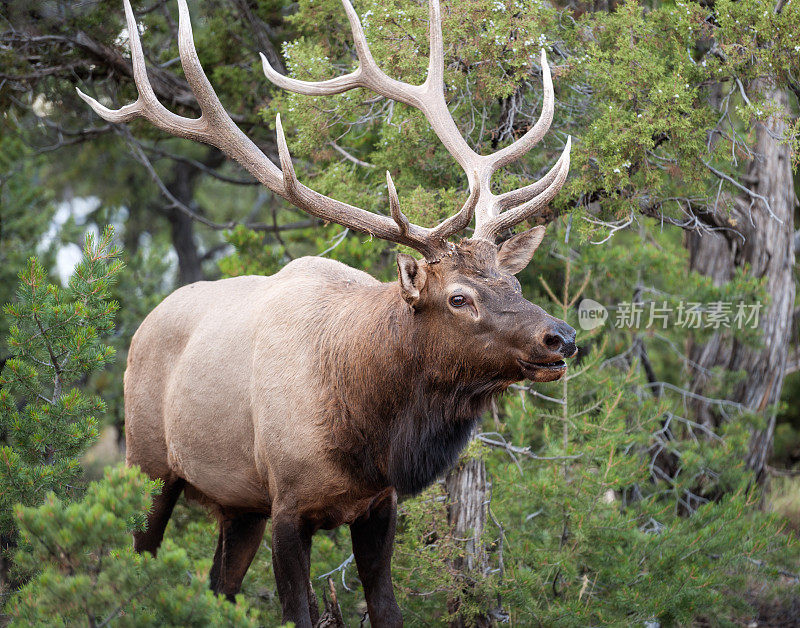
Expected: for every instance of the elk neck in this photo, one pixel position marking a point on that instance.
(400, 408)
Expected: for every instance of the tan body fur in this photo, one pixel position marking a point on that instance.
(222, 389)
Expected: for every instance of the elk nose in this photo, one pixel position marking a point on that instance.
(561, 338)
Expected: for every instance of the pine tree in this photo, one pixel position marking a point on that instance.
(89, 574)
(56, 339)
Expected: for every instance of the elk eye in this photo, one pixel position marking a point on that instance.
(458, 300)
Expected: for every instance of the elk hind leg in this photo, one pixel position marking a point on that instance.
(238, 541)
(150, 538)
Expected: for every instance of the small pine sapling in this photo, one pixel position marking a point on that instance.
(56, 339)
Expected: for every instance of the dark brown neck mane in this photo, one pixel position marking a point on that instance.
(401, 410)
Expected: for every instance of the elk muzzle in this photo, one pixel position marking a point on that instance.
(547, 362)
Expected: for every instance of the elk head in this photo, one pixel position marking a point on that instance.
(466, 291)
(471, 309)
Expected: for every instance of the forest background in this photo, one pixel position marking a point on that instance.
(656, 484)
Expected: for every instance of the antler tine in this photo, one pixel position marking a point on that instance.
(520, 195)
(290, 181)
(531, 198)
(310, 88)
(219, 129)
(360, 40)
(460, 221)
(488, 229)
(434, 106)
(146, 105)
(435, 79)
(535, 134)
(368, 74)
(394, 205)
(193, 70)
(429, 242)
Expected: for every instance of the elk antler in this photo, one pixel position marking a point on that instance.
(429, 98)
(215, 127)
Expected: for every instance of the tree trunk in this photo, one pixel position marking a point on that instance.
(182, 184)
(468, 496)
(190, 267)
(768, 251)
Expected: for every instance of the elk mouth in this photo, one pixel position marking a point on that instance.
(543, 371)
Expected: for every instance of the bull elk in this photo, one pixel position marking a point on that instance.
(318, 395)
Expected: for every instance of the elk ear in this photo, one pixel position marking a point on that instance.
(412, 277)
(516, 252)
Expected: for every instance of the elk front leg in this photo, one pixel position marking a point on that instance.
(373, 540)
(291, 550)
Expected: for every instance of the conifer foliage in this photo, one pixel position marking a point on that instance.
(92, 576)
(56, 338)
